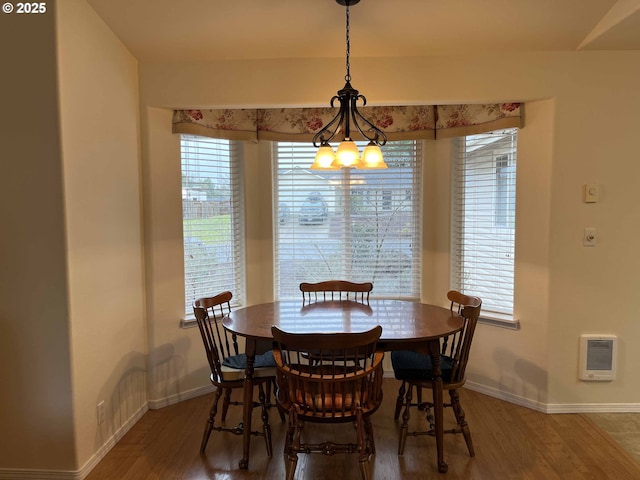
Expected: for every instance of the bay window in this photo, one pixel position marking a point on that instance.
(358, 225)
(212, 218)
(483, 219)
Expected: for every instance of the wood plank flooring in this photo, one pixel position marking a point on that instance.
(511, 442)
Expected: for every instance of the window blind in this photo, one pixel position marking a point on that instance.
(358, 225)
(212, 213)
(483, 218)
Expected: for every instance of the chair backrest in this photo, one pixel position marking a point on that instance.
(458, 346)
(329, 389)
(335, 290)
(218, 343)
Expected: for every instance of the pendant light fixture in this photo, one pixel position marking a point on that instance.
(347, 154)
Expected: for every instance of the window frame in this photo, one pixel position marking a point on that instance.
(386, 201)
(474, 168)
(232, 277)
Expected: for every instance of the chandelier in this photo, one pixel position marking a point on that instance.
(347, 154)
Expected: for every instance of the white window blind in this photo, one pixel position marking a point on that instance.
(483, 218)
(212, 215)
(358, 225)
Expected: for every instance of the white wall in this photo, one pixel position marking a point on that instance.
(71, 291)
(515, 364)
(102, 185)
(175, 356)
(581, 116)
(595, 290)
(36, 411)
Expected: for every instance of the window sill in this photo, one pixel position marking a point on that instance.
(188, 322)
(499, 320)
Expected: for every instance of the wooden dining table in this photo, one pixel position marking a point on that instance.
(406, 325)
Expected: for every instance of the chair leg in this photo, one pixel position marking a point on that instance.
(292, 444)
(371, 442)
(266, 428)
(399, 400)
(364, 463)
(208, 428)
(288, 438)
(225, 403)
(405, 420)
(269, 388)
(460, 418)
(365, 470)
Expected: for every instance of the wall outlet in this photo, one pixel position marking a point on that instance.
(101, 412)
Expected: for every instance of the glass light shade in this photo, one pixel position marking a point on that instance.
(372, 157)
(347, 154)
(324, 158)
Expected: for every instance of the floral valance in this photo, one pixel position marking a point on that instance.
(300, 124)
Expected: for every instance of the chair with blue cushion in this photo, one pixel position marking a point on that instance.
(228, 366)
(415, 372)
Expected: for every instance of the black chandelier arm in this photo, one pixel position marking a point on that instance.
(378, 137)
(319, 138)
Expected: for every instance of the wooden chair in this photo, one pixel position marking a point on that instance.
(335, 290)
(414, 370)
(330, 391)
(227, 367)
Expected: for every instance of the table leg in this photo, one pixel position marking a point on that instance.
(438, 407)
(250, 350)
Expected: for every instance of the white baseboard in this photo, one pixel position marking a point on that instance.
(594, 408)
(111, 442)
(548, 407)
(23, 474)
(555, 408)
(9, 474)
(180, 397)
(506, 396)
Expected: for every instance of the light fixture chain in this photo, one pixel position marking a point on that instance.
(347, 77)
(347, 154)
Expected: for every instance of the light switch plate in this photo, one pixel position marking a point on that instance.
(591, 193)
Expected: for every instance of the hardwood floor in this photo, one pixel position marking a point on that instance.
(511, 442)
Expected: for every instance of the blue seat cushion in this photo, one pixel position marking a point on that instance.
(409, 366)
(240, 361)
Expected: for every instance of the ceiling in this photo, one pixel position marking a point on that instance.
(209, 30)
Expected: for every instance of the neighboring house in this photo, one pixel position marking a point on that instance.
(371, 193)
(301, 183)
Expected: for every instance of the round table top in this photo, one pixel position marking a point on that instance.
(402, 321)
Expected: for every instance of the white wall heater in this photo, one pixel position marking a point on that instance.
(598, 357)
